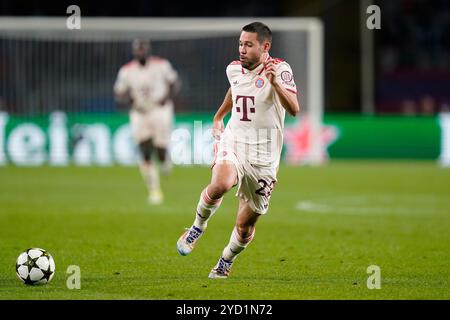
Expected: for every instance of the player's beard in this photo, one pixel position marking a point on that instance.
(250, 64)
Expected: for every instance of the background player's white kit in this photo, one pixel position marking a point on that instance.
(146, 85)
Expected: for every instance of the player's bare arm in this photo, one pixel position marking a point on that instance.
(288, 99)
(123, 99)
(224, 109)
(174, 87)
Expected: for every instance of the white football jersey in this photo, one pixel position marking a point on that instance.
(147, 84)
(257, 118)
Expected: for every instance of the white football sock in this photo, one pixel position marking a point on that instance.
(236, 245)
(206, 207)
(166, 166)
(150, 175)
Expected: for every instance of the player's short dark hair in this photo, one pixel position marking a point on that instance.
(263, 31)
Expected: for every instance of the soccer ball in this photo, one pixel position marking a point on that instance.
(35, 266)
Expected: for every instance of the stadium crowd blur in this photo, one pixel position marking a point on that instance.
(413, 56)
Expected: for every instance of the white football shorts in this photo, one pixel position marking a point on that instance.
(155, 124)
(255, 181)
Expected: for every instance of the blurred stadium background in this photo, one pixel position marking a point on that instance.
(384, 81)
(376, 94)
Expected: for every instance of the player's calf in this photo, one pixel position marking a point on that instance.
(206, 207)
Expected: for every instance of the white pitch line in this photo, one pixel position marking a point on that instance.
(357, 208)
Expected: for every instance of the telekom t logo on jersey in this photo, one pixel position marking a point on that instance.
(245, 111)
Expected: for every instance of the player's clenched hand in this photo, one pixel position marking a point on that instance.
(217, 129)
(124, 99)
(164, 100)
(270, 71)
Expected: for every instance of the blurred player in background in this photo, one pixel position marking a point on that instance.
(261, 90)
(147, 85)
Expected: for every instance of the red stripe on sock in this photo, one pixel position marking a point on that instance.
(242, 240)
(208, 200)
(250, 238)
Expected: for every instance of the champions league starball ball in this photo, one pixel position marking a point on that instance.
(35, 266)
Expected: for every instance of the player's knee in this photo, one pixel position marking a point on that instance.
(162, 153)
(219, 188)
(146, 149)
(146, 156)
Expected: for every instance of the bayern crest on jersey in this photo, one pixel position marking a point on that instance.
(259, 83)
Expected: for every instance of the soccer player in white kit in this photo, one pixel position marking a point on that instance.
(147, 84)
(248, 150)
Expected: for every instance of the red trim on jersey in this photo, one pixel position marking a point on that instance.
(290, 90)
(264, 67)
(278, 60)
(235, 62)
(130, 64)
(259, 73)
(155, 59)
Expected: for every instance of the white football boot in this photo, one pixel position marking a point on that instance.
(221, 270)
(155, 197)
(188, 239)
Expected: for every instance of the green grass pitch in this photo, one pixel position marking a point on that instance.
(325, 226)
